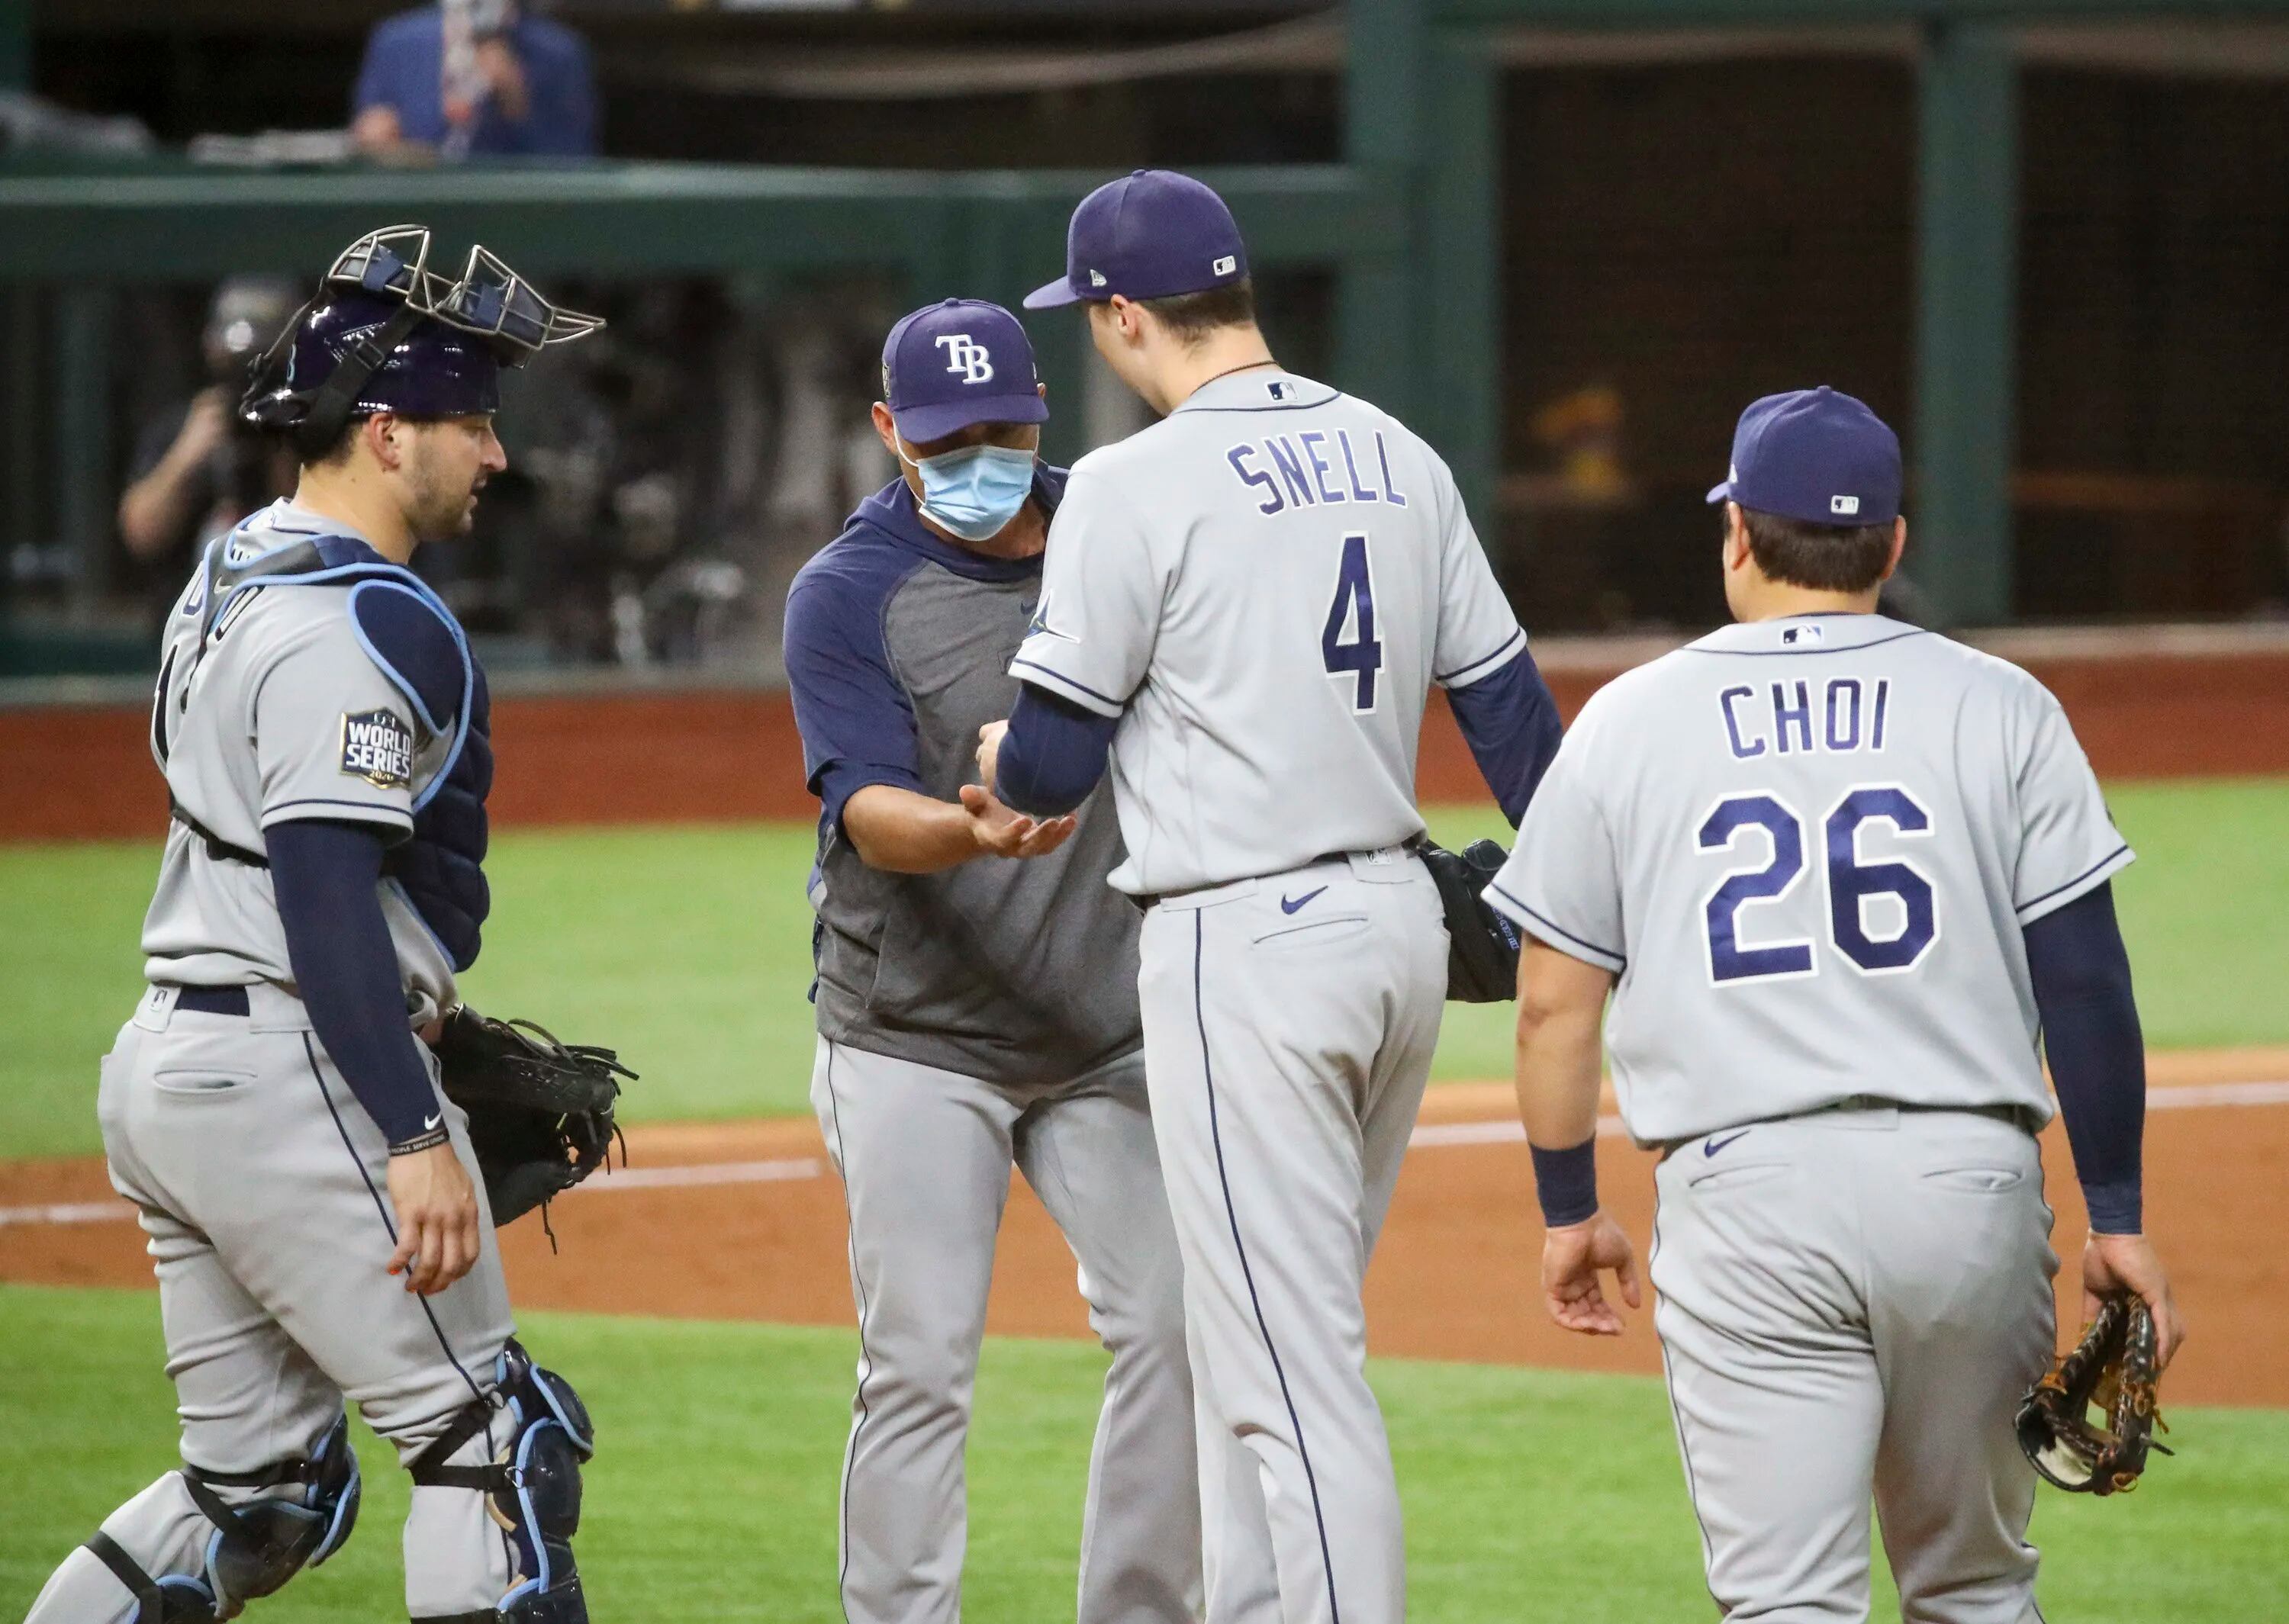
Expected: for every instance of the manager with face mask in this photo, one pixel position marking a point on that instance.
(977, 998)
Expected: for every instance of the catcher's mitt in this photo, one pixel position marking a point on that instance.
(2112, 1369)
(541, 1111)
(1481, 945)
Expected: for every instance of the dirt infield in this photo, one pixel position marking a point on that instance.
(2142, 707)
(745, 1220)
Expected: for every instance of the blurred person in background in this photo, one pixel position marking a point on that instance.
(470, 78)
(197, 471)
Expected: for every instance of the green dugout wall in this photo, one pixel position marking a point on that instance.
(1410, 224)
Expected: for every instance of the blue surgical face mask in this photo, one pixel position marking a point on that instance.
(975, 492)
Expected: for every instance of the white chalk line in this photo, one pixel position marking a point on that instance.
(1427, 1137)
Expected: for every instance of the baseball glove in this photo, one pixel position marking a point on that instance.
(2112, 1369)
(1481, 945)
(541, 1111)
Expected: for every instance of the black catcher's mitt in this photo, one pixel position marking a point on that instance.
(1481, 945)
(2112, 1369)
(541, 1111)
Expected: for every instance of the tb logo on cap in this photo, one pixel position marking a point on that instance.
(964, 354)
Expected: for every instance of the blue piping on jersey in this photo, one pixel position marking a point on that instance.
(1759, 654)
(1517, 642)
(2071, 884)
(1619, 963)
(1333, 395)
(1064, 680)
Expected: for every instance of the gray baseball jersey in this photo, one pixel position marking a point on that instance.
(1809, 847)
(278, 710)
(1267, 583)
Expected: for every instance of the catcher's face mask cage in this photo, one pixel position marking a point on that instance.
(313, 395)
(489, 298)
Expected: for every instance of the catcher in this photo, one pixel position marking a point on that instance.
(307, 1187)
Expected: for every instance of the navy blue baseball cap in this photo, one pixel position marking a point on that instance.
(1817, 455)
(961, 362)
(1151, 234)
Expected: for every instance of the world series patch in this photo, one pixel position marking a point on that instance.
(379, 748)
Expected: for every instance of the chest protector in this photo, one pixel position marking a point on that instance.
(440, 869)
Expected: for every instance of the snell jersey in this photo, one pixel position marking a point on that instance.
(1263, 586)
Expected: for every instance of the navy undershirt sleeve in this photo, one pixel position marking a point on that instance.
(1053, 755)
(327, 877)
(1510, 723)
(2097, 1052)
(856, 723)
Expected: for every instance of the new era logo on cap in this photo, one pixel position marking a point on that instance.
(1146, 235)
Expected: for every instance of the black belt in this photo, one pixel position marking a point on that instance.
(218, 848)
(212, 1001)
(1412, 846)
(2019, 1116)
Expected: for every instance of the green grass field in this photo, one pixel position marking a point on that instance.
(689, 948)
(1529, 1494)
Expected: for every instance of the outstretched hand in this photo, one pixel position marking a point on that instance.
(1004, 832)
(1571, 1258)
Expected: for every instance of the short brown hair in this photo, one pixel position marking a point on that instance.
(1822, 557)
(1190, 317)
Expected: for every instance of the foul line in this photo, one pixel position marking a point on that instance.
(1427, 1137)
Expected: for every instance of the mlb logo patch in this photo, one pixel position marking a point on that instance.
(377, 747)
(1225, 264)
(1844, 506)
(1800, 636)
(1278, 391)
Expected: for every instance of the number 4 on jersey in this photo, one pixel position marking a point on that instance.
(1353, 610)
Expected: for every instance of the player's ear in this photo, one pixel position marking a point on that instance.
(885, 428)
(1899, 545)
(1736, 538)
(385, 436)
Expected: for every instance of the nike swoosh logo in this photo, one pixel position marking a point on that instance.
(432, 1122)
(1287, 906)
(1710, 1147)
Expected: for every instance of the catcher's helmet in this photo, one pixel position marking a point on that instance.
(385, 333)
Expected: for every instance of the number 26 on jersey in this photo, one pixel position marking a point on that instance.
(1882, 916)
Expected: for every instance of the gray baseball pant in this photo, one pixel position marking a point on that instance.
(1854, 1302)
(261, 1185)
(1290, 1024)
(925, 1157)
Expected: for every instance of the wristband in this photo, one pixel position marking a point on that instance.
(429, 1140)
(1566, 1183)
(2116, 1208)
